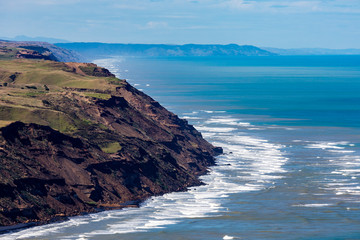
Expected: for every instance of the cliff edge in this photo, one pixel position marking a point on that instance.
(75, 139)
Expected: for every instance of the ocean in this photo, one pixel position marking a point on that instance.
(290, 130)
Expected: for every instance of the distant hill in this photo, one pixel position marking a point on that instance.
(313, 51)
(94, 50)
(42, 48)
(36, 39)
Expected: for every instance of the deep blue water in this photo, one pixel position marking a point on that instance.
(316, 90)
(290, 129)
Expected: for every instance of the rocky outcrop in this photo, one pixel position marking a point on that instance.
(32, 54)
(89, 69)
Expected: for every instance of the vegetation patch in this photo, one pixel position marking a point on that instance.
(115, 81)
(5, 123)
(91, 203)
(94, 70)
(98, 95)
(89, 70)
(7, 53)
(49, 73)
(34, 94)
(56, 120)
(112, 147)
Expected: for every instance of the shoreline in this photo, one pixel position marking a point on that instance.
(59, 219)
(104, 207)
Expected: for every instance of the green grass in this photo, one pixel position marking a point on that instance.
(5, 123)
(22, 98)
(52, 74)
(7, 53)
(98, 95)
(34, 93)
(115, 81)
(112, 147)
(89, 70)
(54, 119)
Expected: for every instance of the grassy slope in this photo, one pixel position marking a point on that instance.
(25, 83)
(50, 73)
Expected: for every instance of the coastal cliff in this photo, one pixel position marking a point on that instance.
(74, 139)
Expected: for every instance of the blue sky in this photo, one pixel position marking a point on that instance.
(272, 23)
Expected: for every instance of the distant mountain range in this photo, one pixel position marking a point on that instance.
(91, 50)
(95, 50)
(313, 51)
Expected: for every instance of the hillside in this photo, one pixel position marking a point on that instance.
(75, 139)
(96, 50)
(43, 48)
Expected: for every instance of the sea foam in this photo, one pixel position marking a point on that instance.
(249, 164)
(342, 179)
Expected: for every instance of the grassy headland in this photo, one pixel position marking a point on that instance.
(74, 139)
(26, 84)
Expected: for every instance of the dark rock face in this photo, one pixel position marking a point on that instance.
(46, 174)
(35, 52)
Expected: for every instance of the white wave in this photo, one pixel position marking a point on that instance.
(256, 128)
(313, 205)
(327, 145)
(227, 121)
(214, 129)
(191, 118)
(343, 179)
(191, 113)
(342, 151)
(227, 237)
(45, 230)
(251, 164)
(208, 111)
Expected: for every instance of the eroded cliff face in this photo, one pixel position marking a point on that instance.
(111, 148)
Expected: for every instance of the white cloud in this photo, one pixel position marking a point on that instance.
(270, 5)
(129, 6)
(177, 16)
(293, 6)
(152, 24)
(26, 4)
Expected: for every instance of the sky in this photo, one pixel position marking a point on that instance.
(265, 23)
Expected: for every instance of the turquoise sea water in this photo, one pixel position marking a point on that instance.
(290, 129)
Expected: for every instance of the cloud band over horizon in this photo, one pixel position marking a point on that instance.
(275, 23)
